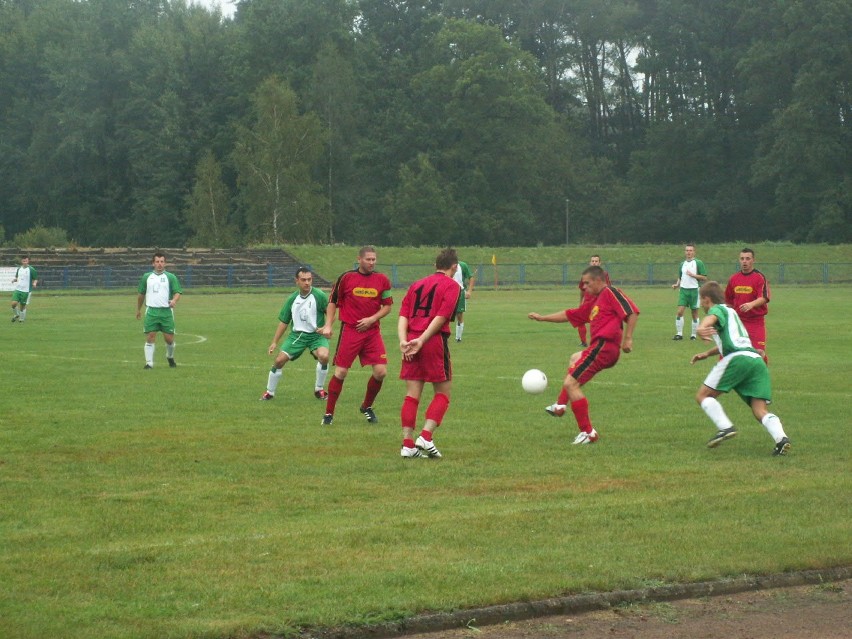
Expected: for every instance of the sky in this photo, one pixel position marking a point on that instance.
(227, 6)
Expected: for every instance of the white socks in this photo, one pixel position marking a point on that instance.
(715, 412)
(149, 354)
(773, 426)
(679, 325)
(694, 327)
(459, 330)
(170, 350)
(322, 373)
(272, 381)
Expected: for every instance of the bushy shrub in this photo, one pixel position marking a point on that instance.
(41, 237)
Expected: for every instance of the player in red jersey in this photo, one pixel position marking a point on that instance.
(613, 318)
(424, 332)
(362, 297)
(595, 260)
(748, 294)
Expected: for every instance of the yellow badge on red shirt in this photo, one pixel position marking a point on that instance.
(361, 291)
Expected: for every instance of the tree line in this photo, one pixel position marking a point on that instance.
(466, 122)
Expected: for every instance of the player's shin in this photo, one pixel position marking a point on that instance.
(714, 410)
(322, 373)
(275, 375)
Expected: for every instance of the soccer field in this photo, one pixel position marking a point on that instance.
(172, 503)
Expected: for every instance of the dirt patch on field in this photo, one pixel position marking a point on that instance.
(812, 604)
(798, 612)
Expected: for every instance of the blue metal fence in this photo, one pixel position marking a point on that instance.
(401, 275)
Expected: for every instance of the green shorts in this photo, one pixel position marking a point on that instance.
(298, 342)
(159, 320)
(461, 306)
(21, 297)
(743, 372)
(688, 298)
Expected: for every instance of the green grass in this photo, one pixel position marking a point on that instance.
(331, 260)
(171, 503)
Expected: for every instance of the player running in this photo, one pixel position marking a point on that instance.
(741, 369)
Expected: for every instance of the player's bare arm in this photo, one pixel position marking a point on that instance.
(330, 314)
(140, 300)
(414, 346)
(699, 356)
(558, 317)
(173, 302)
(707, 328)
(745, 308)
(276, 339)
(366, 322)
(630, 324)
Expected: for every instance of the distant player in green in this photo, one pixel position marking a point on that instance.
(466, 279)
(305, 311)
(741, 369)
(25, 280)
(690, 275)
(159, 291)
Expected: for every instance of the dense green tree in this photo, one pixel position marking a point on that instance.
(421, 209)
(799, 94)
(636, 119)
(208, 207)
(275, 158)
(509, 181)
(333, 97)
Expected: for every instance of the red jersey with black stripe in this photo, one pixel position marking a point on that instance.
(428, 298)
(744, 288)
(357, 295)
(605, 313)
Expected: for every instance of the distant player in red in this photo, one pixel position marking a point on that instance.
(362, 297)
(748, 294)
(424, 332)
(595, 260)
(613, 318)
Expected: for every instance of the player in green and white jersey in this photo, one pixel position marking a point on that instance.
(690, 275)
(740, 369)
(305, 311)
(25, 280)
(159, 291)
(466, 279)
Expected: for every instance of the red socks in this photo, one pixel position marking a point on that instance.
(408, 414)
(335, 386)
(438, 408)
(373, 387)
(580, 408)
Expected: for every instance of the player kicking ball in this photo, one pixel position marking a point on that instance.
(741, 369)
(612, 317)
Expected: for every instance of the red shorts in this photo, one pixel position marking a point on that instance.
(367, 346)
(757, 332)
(599, 355)
(431, 363)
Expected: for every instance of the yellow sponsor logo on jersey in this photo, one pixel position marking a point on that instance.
(594, 313)
(743, 290)
(365, 292)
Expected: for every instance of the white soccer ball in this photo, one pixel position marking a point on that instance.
(534, 381)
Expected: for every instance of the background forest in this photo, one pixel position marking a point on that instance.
(466, 122)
